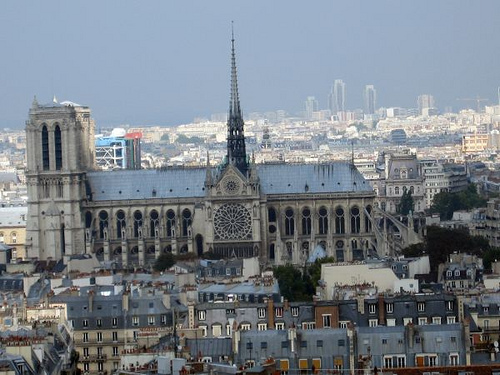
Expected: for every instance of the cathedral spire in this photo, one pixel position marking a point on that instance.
(236, 153)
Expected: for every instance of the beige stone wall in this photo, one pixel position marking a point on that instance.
(16, 238)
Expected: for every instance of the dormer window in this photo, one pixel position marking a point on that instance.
(389, 307)
(372, 308)
(449, 274)
(279, 312)
(261, 312)
(457, 272)
(421, 306)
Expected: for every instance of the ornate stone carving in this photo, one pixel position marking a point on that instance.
(233, 222)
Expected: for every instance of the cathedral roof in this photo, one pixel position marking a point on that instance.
(147, 184)
(338, 177)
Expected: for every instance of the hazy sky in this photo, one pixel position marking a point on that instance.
(166, 62)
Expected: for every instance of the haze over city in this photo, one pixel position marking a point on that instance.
(166, 63)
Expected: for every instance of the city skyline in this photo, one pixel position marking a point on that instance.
(165, 63)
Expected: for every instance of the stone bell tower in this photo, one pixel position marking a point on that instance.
(60, 150)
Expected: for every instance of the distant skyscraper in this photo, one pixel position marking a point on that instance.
(370, 99)
(311, 106)
(336, 99)
(425, 102)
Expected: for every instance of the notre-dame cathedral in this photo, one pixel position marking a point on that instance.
(278, 212)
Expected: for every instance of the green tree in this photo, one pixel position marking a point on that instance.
(441, 242)
(446, 203)
(491, 255)
(164, 262)
(181, 138)
(293, 285)
(406, 203)
(165, 138)
(470, 198)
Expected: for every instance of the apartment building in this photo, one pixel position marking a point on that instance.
(107, 325)
(360, 348)
(223, 319)
(441, 177)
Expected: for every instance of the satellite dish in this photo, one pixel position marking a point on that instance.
(495, 344)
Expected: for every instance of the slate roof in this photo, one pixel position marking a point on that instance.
(337, 177)
(209, 347)
(240, 288)
(13, 216)
(147, 184)
(11, 283)
(108, 307)
(318, 343)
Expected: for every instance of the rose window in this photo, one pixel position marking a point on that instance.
(231, 185)
(233, 222)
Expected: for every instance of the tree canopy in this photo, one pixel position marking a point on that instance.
(300, 286)
(164, 262)
(181, 138)
(294, 286)
(406, 204)
(441, 242)
(446, 203)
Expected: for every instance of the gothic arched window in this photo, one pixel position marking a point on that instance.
(271, 251)
(103, 223)
(323, 221)
(186, 221)
(289, 222)
(154, 223)
(137, 222)
(355, 220)
(306, 221)
(339, 221)
(271, 215)
(45, 148)
(120, 223)
(354, 244)
(170, 223)
(58, 147)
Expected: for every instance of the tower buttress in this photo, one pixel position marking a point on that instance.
(60, 151)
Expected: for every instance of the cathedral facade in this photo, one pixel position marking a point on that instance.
(278, 212)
